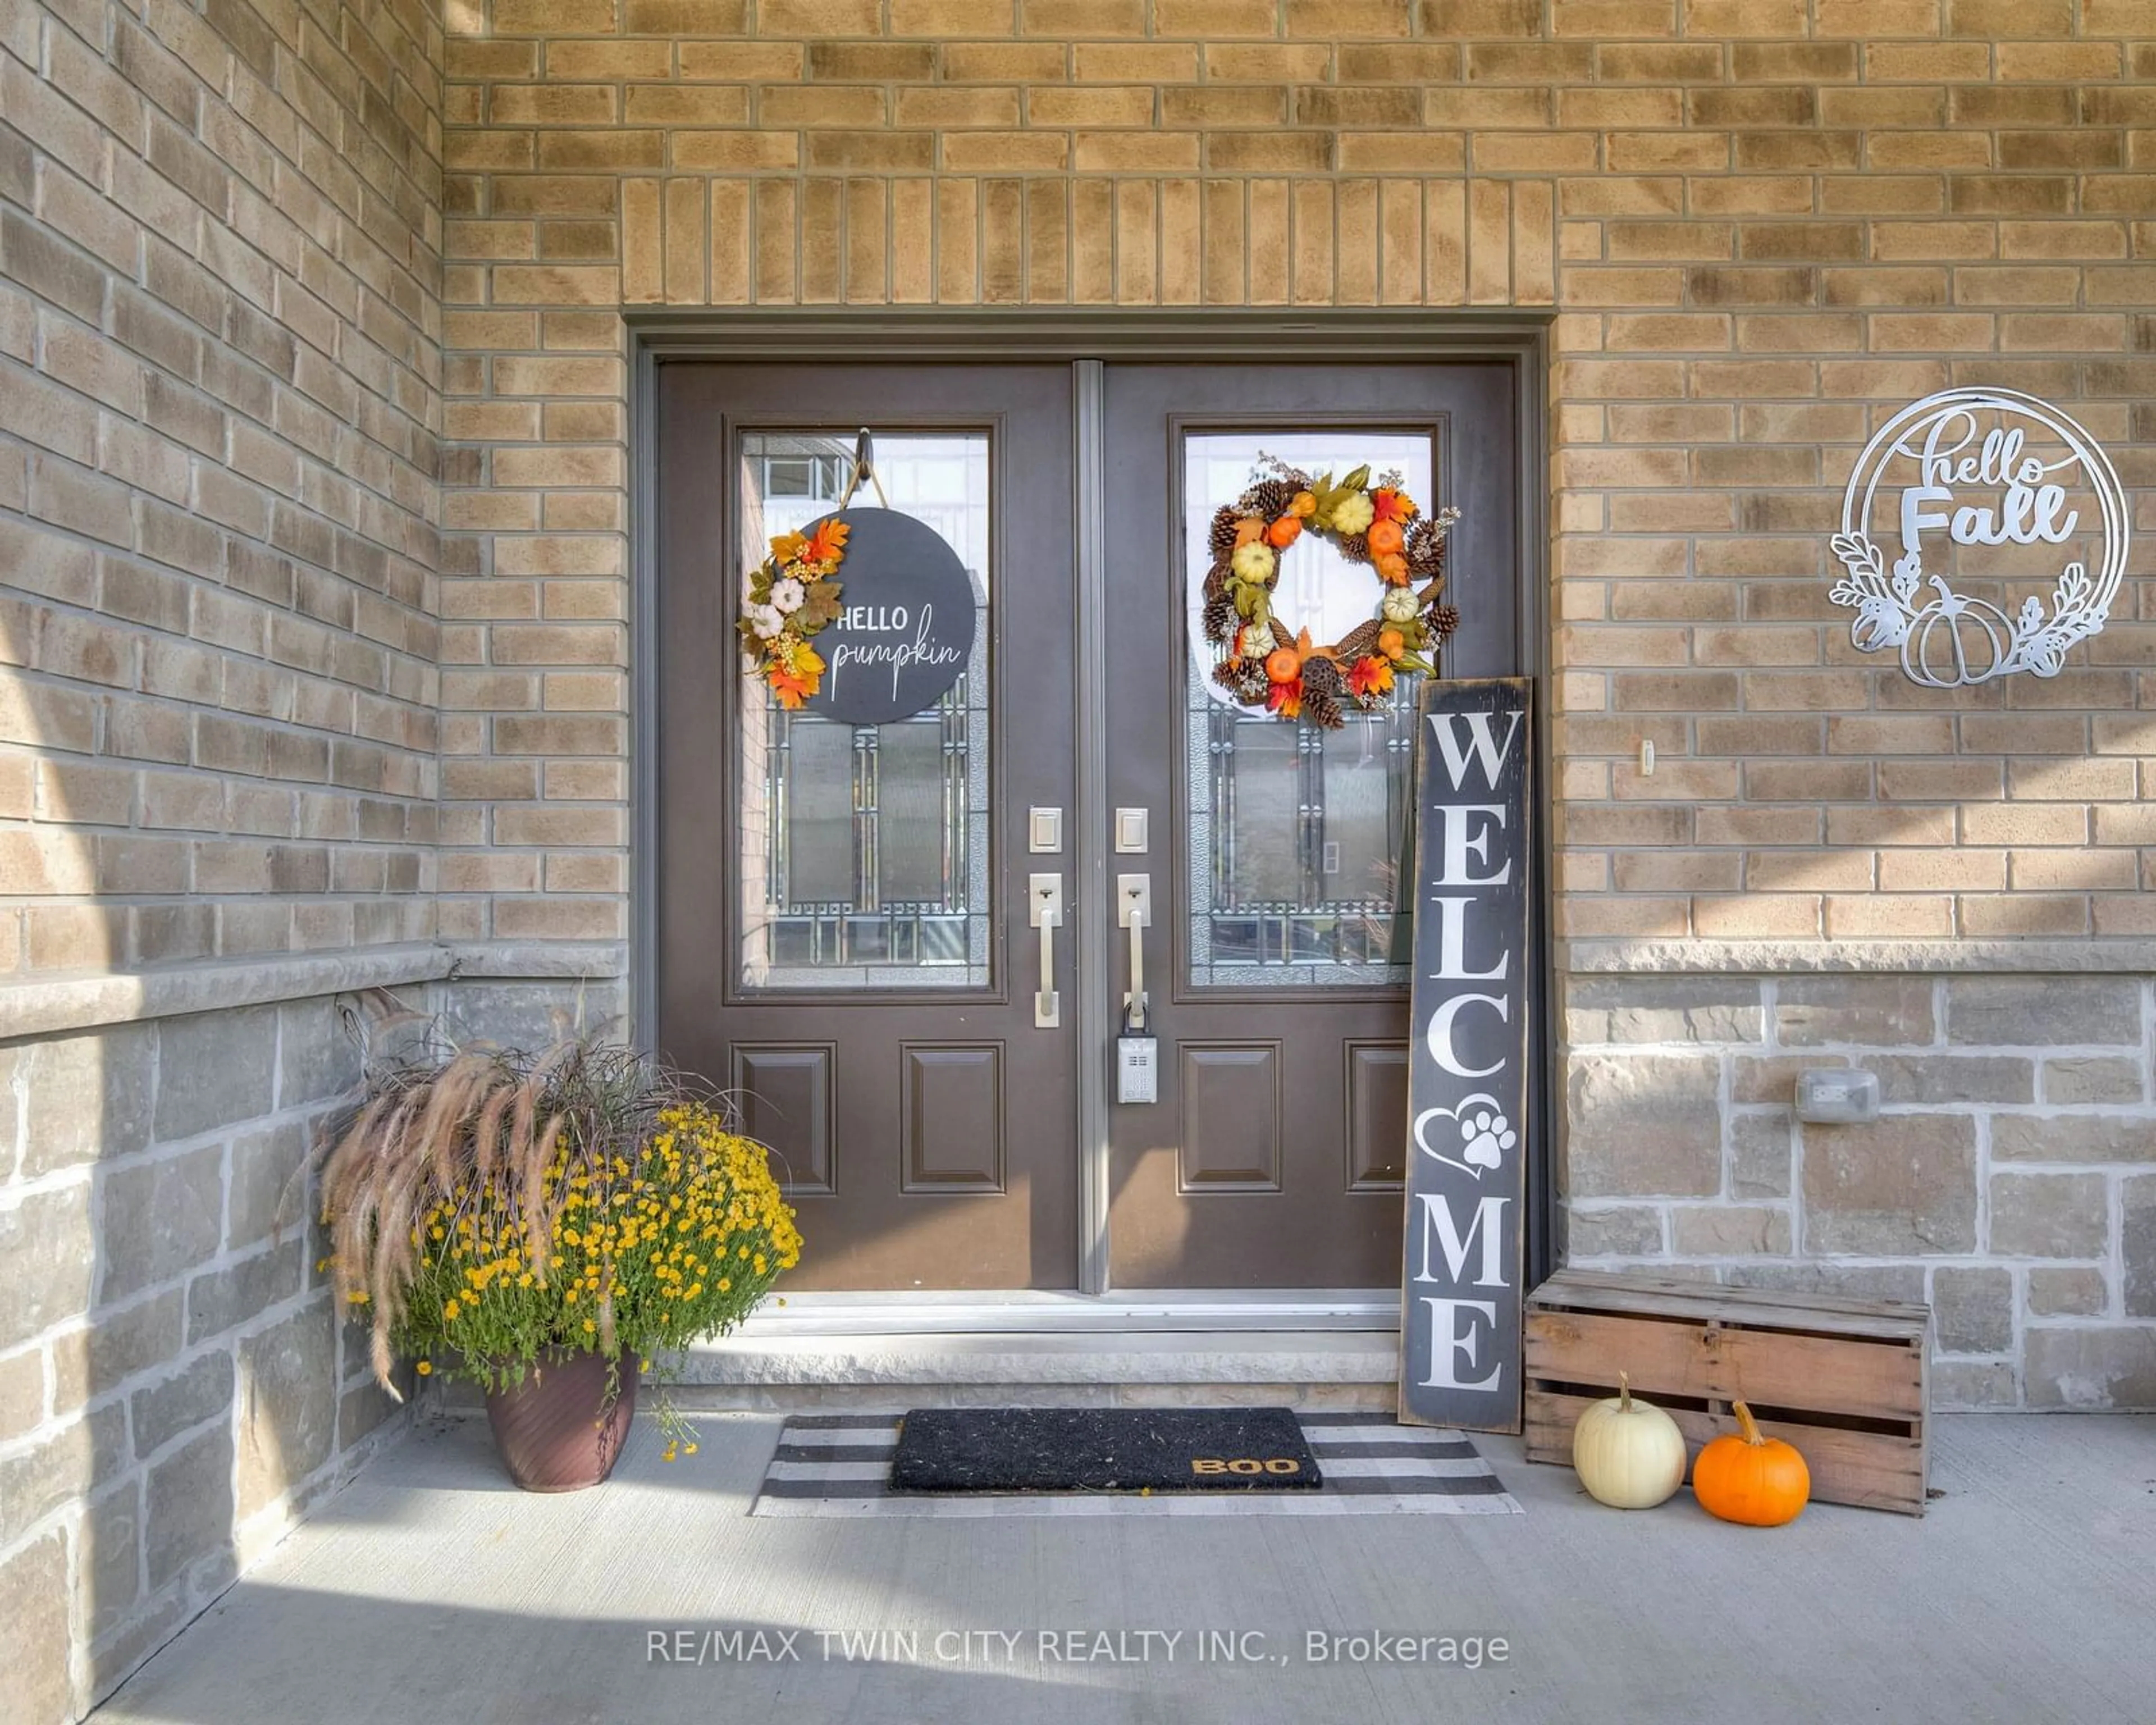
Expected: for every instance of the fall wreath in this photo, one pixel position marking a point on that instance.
(1267, 664)
(792, 597)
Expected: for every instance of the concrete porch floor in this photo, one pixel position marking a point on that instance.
(431, 1590)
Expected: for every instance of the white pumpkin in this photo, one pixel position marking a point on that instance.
(1628, 1454)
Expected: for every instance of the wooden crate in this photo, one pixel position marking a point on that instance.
(1844, 1380)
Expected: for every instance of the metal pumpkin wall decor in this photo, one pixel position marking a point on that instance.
(1978, 490)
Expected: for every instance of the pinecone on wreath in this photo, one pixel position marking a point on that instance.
(1355, 548)
(1361, 641)
(1269, 499)
(1219, 618)
(1223, 540)
(1425, 549)
(1321, 708)
(1443, 620)
(1250, 682)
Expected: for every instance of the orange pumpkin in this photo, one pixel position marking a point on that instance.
(1747, 1477)
(1284, 532)
(1392, 642)
(1283, 664)
(1385, 538)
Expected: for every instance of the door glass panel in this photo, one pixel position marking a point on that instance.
(1296, 836)
(864, 859)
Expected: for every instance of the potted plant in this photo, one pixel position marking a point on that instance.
(543, 1225)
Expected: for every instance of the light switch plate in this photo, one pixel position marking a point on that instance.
(1130, 831)
(1044, 830)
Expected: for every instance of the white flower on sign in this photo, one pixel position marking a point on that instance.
(1969, 474)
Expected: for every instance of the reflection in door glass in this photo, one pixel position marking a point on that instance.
(863, 851)
(1297, 836)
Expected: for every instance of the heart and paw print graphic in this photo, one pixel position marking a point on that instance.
(1486, 1135)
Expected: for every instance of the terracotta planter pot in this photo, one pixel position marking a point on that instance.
(554, 1431)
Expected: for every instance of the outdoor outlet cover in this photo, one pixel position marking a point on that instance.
(1838, 1097)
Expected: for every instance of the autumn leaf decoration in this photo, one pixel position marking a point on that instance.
(791, 597)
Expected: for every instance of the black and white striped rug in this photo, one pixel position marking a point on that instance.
(839, 1465)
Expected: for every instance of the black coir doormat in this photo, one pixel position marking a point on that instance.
(1102, 1450)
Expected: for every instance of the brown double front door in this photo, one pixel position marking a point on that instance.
(846, 917)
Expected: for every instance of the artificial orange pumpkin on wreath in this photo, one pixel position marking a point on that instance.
(1746, 1476)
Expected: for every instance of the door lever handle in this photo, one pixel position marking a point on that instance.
(1044, 909)
(1133, 911)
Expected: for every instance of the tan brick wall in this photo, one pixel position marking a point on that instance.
(1763, 225)
(220, 426)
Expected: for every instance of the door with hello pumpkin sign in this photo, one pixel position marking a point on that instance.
(881, 924)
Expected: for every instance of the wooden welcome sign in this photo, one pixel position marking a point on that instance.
(1467, 1097)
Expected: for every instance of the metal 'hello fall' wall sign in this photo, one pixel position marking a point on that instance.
(1977, 492)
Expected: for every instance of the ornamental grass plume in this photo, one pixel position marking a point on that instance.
(490, 1209)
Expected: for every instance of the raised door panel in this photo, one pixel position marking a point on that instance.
(1377, 1124)
(951, 1118)
(784, 1097)
(1231, 1117)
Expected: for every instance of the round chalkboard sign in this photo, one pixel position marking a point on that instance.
(907, 627)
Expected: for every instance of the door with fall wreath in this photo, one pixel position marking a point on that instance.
(1277, 778)
(848, 918)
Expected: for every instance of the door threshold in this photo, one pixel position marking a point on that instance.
(1342, 1367)
(1022, 1312)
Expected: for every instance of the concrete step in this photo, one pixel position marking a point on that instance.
(1312, 1368)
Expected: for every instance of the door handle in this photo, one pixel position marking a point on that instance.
(1133, 911)
(1044, 910)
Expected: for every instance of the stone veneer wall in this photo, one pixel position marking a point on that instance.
(175, 1389)
(2010, 1179)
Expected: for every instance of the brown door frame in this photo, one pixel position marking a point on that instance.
(1088, 339)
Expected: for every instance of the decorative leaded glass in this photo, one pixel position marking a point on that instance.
(864, 860)
(1297, 836)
